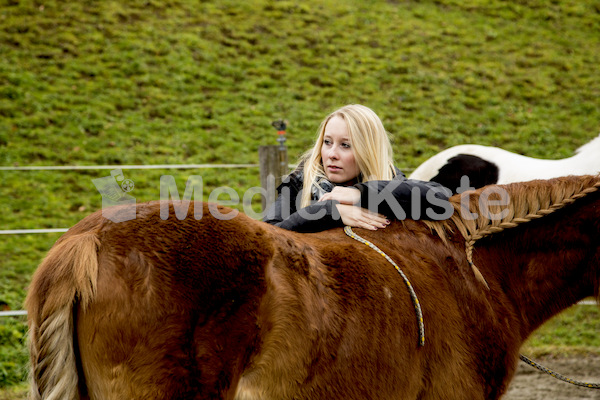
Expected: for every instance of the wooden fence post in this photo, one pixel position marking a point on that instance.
(273, 168)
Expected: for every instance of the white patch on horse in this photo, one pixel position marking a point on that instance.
(387, 292)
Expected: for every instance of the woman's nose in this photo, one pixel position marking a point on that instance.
(333, 154)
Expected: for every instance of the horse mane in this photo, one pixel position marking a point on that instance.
(527, 201)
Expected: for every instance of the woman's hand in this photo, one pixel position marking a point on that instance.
(358, 217)
(345, 195)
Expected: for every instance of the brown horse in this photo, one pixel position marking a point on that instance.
(238, 309)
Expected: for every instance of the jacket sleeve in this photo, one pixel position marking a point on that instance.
(406, 198)
(313, 218)
(316, 217)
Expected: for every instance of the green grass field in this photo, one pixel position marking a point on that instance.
(179, 82)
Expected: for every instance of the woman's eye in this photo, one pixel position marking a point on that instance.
(346, 145)
(327, 142)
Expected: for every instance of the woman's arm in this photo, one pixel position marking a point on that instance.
(284, 211)
(367, 205)
(399, 198)
(313, 218)
(406, 198)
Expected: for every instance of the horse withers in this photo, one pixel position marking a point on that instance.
(239, 309)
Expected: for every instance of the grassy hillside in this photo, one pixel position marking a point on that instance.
(173, 82)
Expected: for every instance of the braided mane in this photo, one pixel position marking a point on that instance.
(522, 202)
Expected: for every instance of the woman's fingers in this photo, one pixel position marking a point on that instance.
(373, 221)
(361, 218)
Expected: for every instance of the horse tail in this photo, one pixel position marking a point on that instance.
(67, 277)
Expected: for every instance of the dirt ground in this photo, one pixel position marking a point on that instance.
(531, 384)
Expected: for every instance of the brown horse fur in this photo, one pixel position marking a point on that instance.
(239, 309)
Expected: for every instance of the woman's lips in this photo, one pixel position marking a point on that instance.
(333, 168)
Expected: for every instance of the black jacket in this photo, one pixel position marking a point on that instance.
(399, 198)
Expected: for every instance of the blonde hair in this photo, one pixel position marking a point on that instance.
(369, 142)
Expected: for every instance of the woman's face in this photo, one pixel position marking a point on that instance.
(337, 154)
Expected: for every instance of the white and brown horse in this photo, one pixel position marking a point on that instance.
(238, 309)
(485, 165)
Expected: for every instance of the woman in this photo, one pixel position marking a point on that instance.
(348, 178)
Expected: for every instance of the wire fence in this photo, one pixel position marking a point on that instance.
(98, 167)
(28, 231)
(106, 167)
(13, 313)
